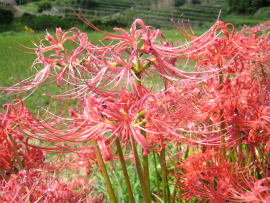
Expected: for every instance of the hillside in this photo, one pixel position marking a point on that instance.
(156, 12)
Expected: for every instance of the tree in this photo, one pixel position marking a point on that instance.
(44, 5)
(6, 16)
(247, 6)
(179, 3)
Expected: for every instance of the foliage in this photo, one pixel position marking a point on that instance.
(196, 2)
(179, 3)
(108, 24)
(25, 1)
(47, 22)
(129, 15)
(6, 17)
(247, 6)
(44, 5)
(88, 3)
(43, 22)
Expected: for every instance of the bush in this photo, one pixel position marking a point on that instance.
(179, 3)
(88, 3)
(26, 18)
(8, 33)
(246, 6)
(43, 22)
(44, 5)
(196, 2)
(109, 24)
(6, 17)
(48, 22)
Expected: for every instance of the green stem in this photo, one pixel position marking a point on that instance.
(138, 75)
(157, 182)
(203, 148)
(105, 173)
(222, 125)
(16, 152)
(3, 174)
(264, 74)
(260, 86)
(164, 176)
(140, 172)
(174, 192)
(264, 78)
(146, 170)
(239, 143)
(168, 190)
(186, 153)
(124, 168)
(145, 178)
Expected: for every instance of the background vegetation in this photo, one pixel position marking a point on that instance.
(107, 14)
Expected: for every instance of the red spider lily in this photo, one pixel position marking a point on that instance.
(100, 119)
(229, 51)
(10, 138)
(59, 62)
(35, 186)
(241, 105)
(209, 177)
(56, 46)
(86, 158)
(262, 27)
(205, 175)
(112, 116)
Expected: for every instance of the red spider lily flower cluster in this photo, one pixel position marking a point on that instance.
(262, 27)
(12, 139)
(32, 185)
(219, 110)
(210, 177)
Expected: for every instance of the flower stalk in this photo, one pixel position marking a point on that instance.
(146, 170)
(140, 172)
(105, 173)
(164, 175)
(222, 125)
(124, 168)
(2, 173)
(156, 171)
(16, 152)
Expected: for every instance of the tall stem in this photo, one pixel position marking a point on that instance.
(239, 143)
(174, 192)
(260, 86)
(105, 173)
(146, 180)
(3, 174)
(146, 170)
(164, 175)
(222, 125)
(124, 168)
(16, 152)
(155, 162)
(264, 75)
(140, 172)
